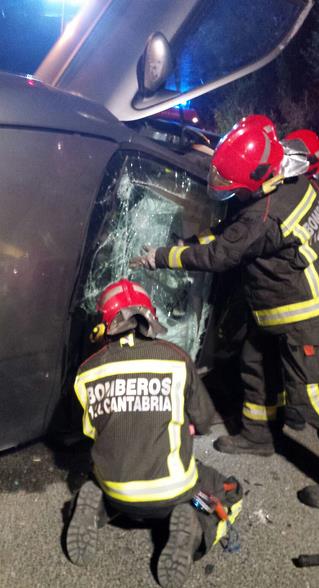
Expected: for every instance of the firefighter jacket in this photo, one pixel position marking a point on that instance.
(139, 397)
(275, 239)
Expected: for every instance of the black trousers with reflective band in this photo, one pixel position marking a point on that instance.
(284, 358)
(299, 350)
(209, 481)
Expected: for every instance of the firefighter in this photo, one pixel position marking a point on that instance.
(303, 146)
(274, 237)
(301, 152)
(304, 141)
(140, 394)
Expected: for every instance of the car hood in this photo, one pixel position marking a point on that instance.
(139, 58)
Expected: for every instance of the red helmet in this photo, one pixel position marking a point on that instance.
(121, 303)
(307, 142)
(259, 121)
(245, 158)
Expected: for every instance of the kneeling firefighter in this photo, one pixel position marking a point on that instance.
(274, 238)
(140, 396)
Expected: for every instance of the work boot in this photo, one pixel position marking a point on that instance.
(81, 539)
(293, 419)
(309, 495)
(239, 444)
(185, 535)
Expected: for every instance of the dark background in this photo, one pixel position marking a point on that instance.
(287, 89)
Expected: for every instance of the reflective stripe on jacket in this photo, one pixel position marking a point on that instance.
(138, 402)
(275, 239)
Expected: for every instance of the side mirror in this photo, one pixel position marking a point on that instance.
(155, 65)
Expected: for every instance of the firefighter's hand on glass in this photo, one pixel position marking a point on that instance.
(146, 261)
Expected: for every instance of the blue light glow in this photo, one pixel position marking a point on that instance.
(182, 105)
(67, 2)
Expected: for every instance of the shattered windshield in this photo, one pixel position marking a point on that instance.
(146, 202)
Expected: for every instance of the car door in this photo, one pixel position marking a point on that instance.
(145, 199)
(138, 58)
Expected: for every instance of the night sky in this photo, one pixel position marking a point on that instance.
(28, 29)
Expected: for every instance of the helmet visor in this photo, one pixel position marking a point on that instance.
(218, 188)
(216, 180)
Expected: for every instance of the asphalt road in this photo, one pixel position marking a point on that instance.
(36, 484)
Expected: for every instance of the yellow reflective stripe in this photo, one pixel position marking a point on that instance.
(282, 399)
(151, 490)
(313, 280)
(221, 531)
(310, 255)
(299, 212)
(235, 510)
(174, 257)
(291, 313)
(81, 393)
(222, 527)
(116, 368)
(299, 311)
(206, 237)
(179, 480)
(313, 395)
(174, 463)
(259, 412)
(301, 233)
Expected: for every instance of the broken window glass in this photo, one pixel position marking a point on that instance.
(151, 203)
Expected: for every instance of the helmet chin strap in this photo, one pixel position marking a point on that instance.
(266, 188)
(293, 165)
(272, 184)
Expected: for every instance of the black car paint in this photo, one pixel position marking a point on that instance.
(54, 150)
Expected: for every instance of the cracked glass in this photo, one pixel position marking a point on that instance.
(148, 203)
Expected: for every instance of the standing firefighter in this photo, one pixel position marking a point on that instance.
(272, 238)
(140, 395)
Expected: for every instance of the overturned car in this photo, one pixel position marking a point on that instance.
(81, 192)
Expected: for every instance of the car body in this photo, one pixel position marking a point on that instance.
(81, 192)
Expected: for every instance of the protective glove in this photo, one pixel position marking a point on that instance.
(146, 261)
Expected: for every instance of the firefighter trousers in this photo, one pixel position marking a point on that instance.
(279, 366)
(209, 481)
